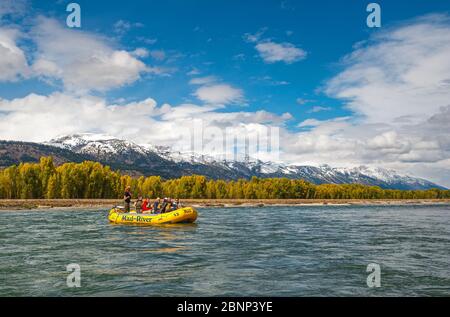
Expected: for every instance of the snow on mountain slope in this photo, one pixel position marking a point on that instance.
(95, 144)
(161, 160)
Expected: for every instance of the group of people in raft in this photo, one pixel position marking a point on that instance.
(145, 206)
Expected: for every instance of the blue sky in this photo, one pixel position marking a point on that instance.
(208, 36)
(297, 61)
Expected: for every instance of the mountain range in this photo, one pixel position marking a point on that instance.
(148, 160)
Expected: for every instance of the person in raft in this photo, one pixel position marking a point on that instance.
(138, 204)
(127, 198)
(176, 204)
(156, 205)
(165, 204)
(146, 206)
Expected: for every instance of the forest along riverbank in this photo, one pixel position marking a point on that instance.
(24, 204)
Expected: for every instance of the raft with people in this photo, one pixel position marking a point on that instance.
(167, 211)
(182, 215)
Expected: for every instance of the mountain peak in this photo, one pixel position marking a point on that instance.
(88, 137)
(96, 144)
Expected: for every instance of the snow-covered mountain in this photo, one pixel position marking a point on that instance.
(159, 160)
(96, 144)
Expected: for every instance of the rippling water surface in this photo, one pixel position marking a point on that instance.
(269, 251)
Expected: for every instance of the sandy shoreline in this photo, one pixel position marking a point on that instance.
(31, 204)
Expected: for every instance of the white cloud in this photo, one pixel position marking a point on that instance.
(253, 38)
(141, 52)
(397, 86)
(272, 52)
(319, 109)
(321, 123)
(302, 101)
(59, 113)
(270, 81)
(203, 80)
(13, 7)
(400, 72)
(214, 93)
(82, 61)
(193, 72)
(219, 94)
(121, 27)
(13, 63)
(141, 121)
(147, 40)
(239, 57)
(158, 54)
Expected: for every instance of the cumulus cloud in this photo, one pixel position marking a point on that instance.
(146, 122)
(13, 63)
(219, 94)
(396, 85)
(81, 60)
(215, 93)
(400, 72)
(344, 142)
(272, 52)
(60, 113)
(141, 52)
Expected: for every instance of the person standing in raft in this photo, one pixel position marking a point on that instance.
(127, 198)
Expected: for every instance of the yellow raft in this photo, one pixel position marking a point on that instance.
(182, 215)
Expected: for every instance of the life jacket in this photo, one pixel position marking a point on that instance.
(145, 206)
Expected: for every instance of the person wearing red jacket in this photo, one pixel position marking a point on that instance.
(145, 205)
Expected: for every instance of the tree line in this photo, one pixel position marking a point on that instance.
(93, 180)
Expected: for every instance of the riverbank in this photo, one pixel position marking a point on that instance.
(28, 204)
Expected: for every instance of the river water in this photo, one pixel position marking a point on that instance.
(268, 251)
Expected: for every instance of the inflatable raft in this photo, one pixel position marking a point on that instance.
(182, 215)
